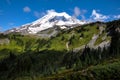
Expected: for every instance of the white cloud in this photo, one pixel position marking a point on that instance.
(0, 28)
(11, 24)
(26, 9)
(38, 14)
(116, 16)
(78, 12)
(50, 11)
(98, 17)
(118, 9)
(9, 2)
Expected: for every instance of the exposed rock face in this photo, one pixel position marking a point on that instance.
(118, 29)
(91, 43)
(103, 44)
(4, 41)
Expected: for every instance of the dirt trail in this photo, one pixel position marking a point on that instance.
(67, 45)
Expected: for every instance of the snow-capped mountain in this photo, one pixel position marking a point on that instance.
(63, 20)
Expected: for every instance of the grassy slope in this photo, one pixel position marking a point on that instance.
(57, 43)
(14, 46)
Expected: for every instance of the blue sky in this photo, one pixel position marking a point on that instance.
(14, 13)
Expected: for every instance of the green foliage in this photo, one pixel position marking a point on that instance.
(27, 57)
(107, 71)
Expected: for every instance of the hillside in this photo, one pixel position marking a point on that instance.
(92, 35)
(86, 52)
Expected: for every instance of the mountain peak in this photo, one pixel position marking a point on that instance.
(52, 15)
(51, 19)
